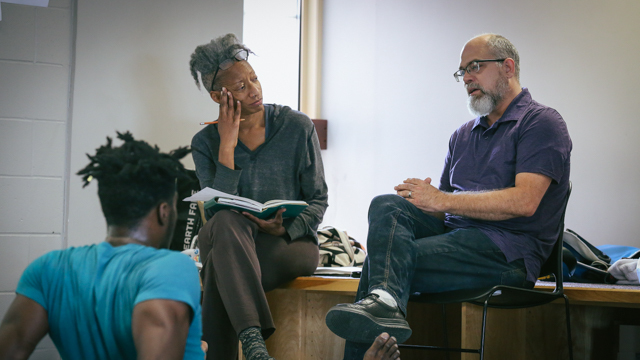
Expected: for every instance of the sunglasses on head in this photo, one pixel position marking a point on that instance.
(239, 56)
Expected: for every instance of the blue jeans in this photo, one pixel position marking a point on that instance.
(410, 251)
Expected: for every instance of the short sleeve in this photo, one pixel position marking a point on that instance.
(30, 284)
(544, 145)
(445, 181)
(172, 277)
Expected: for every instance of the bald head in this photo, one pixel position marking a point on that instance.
(498, 47)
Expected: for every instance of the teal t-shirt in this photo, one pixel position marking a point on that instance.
(89, 294)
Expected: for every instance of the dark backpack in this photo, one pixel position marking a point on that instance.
(584, 262)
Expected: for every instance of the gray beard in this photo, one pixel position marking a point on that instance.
(481, 105)
(487, 102)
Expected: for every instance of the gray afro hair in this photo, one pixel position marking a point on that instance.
(206, 58)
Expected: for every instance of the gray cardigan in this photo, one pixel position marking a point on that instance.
(287, 166)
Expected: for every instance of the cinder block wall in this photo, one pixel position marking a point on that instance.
(36, 47)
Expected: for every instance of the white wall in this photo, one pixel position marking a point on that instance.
(132, 73)
(35, 71)
(392, 102)
(271, 29)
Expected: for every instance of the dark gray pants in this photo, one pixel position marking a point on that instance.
(241, 263)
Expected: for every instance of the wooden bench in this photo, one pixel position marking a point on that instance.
(300, 306)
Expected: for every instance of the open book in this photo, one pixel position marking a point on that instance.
(218, 200)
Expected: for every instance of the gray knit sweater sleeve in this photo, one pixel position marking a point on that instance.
(314, 191)
(209, 171)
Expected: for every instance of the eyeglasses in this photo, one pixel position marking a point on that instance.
(472, 68)
(239, 56)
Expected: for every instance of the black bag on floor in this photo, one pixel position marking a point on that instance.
(189, 220)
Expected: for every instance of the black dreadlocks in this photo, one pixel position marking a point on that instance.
(133, 178)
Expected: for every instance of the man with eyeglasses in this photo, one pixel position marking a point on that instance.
(494, 218)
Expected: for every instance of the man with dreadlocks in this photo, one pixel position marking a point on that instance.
(124, 298)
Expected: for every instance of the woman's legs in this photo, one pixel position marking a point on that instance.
(282, 261)
(231, 282)
(239, 264)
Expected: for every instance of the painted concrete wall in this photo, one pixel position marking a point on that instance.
(35, 73)
(392, 101)
(131, 73)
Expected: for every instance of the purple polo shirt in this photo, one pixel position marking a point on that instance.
(529, 137)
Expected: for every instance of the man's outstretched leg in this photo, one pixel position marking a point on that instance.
(383, 293)
(385, 347)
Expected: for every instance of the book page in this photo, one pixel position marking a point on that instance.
(273, 203)
(249, 205)
(205, 194)
(208, 193)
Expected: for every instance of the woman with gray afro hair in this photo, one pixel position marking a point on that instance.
(262, 152)
(206, 58)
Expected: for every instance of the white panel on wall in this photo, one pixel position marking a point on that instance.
(14, 258)
(17, 32)
(32, 148)
(34, 91)
(48, 146)
(15, 147)
(54, 36)
(31, 205)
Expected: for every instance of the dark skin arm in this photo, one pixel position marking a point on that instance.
(160, 328)
(22, 328)
(271, 226)
(228, 127)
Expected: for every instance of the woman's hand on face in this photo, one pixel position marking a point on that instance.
(272, 226)
(228, 119)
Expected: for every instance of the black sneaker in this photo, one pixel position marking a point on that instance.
(363, 321)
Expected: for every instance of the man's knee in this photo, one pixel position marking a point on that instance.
(383, 204)
(387, 200)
